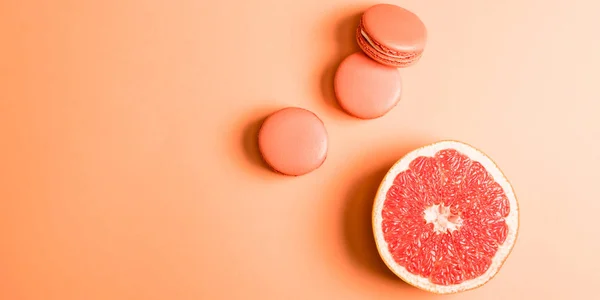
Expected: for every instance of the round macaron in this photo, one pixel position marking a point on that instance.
(365, 88)
(391, 35)
(293, 141)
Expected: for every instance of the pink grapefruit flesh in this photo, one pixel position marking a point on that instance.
(445, 218)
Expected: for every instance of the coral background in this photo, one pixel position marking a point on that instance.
(129, 168)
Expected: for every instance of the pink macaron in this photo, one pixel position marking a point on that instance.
(366, 89)
(391, 35)
(293, 141)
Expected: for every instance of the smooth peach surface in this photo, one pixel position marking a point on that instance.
(129, 166)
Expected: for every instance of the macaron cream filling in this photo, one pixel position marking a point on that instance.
(378, 48)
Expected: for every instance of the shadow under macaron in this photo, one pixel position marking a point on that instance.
(345, 44)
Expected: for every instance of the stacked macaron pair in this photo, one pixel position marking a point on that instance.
(293, 141)
(367, 83)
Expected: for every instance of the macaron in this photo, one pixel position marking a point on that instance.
(391, 35)
(366, 89)
(293, 141)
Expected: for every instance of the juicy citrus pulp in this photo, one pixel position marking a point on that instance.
(445, 218)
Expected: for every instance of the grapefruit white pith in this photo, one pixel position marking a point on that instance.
(445, 218)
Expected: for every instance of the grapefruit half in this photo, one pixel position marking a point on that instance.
(445, 218)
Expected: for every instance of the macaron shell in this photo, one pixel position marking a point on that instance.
(293, 141)
(394, 28)
(408, 59)
(366, 89)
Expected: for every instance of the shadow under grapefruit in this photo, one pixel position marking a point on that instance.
(357, 218)
(357, 223)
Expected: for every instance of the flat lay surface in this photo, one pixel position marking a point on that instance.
(130, 169)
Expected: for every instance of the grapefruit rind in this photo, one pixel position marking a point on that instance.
(512, 220)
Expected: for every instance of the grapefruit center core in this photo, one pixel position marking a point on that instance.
(442, 218)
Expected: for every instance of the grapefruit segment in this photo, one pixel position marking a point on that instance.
(428, 176)
(445, 218)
